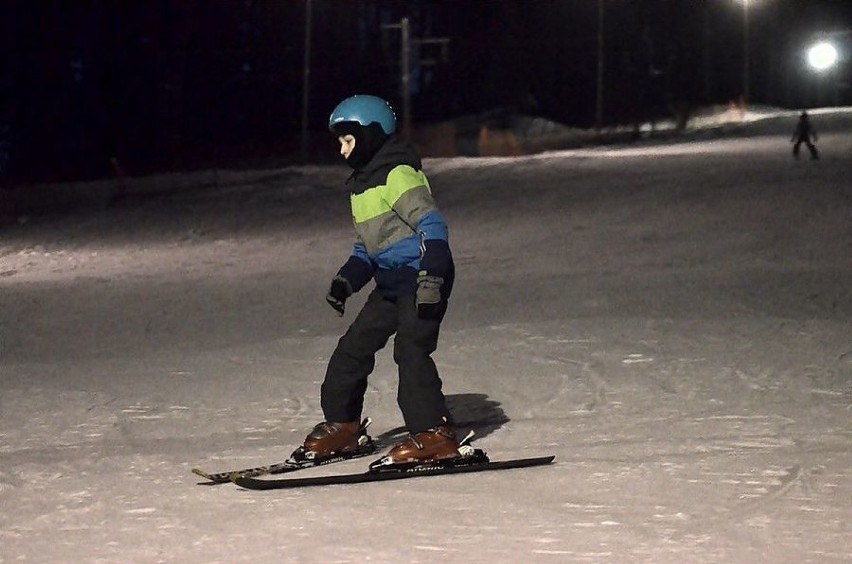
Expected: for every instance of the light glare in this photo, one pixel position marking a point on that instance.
(822, 56)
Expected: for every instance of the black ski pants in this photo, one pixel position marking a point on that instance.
(811, 147)
(419, 394)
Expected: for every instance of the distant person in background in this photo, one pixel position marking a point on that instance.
(803, 134)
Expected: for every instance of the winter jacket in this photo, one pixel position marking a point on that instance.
(399, 229)
(804, 130)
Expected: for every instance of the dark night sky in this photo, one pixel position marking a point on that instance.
(166, 84)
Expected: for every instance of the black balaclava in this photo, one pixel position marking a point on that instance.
(368, 140)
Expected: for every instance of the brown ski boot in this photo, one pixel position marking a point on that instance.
(438, 443)
(328, 439)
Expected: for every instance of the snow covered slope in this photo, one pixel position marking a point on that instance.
(674, 322)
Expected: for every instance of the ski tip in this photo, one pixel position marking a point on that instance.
(543, 460)
(211, 480)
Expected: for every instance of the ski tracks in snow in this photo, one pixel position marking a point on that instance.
(675, 411)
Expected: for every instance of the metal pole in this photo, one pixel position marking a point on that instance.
(406, 79)
(746, 93)
(306, 81)
(706, 55)
(600, 88)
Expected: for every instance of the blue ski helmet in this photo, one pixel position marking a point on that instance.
(364, 109)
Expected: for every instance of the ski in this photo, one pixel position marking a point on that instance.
(291, 464)
(225, 477)
(277, 468)
(477, 462)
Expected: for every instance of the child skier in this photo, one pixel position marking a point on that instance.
(401, 243)
(803, 133)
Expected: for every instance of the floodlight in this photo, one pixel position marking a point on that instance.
(822, 56)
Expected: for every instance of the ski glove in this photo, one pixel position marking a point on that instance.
(339, 292)
(428, 298)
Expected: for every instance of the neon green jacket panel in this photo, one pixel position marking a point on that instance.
(387, 216)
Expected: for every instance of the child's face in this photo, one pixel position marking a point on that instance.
(347, 145)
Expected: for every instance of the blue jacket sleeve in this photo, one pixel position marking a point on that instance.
(437, 259)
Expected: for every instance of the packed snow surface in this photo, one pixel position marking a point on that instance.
(672, 321)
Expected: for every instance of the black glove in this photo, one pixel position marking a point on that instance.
(430, 305)
(339, 292)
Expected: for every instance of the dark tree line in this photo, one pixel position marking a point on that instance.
(159, 84)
